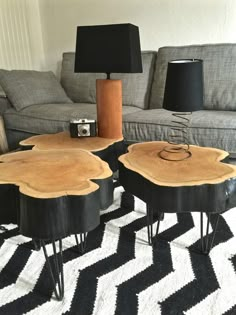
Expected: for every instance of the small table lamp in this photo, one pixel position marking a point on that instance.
(183, 95)
(108, 49)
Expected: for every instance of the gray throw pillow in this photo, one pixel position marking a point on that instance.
(27, 87)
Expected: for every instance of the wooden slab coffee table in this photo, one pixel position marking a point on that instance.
(107, 149)
(56, 193)
(202, 183)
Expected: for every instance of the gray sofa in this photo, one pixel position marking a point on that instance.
(27, 112)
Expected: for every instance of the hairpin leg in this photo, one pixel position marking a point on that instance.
(37, 244)
(158, 226)
(56, 269)
(159, 216)
(207, 241)
(149, 224)
(82, 244)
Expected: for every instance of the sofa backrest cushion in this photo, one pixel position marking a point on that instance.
(136, 87)
(27, 87)
(81, 87)
(219, 66)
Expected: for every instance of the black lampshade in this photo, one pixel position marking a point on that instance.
(108, 49)
(184, 85)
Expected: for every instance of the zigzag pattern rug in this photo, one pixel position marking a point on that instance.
(120, 274)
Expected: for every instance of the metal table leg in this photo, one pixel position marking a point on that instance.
(82, 244)
(207, 241)
(55, 268)
(150, 217)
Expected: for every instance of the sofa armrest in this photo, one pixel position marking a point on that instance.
(3, 138)
(4, 104)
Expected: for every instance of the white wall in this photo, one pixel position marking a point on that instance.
(161, 22)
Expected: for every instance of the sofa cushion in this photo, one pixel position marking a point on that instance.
(136, 87)
(25, 88)
(51, 118)
(4, 103)
(219, 68)
(81, 87)
(207, 128)
(2, 93)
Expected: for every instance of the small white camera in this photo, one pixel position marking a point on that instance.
(83, 128)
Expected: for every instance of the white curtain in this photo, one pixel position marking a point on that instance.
(21, 44)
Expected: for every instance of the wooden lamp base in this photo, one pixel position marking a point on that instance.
(109, 108)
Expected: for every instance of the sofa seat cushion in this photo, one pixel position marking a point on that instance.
(207, 128)
(27, 87)
(219, 71)
(81, 87)
(51, 118)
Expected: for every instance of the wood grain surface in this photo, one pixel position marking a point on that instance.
(203, 167)
(53, 173)
(62, 140)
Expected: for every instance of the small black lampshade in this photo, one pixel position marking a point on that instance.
(184, 85)
(108, 49)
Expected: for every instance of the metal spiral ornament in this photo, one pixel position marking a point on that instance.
(178, 149)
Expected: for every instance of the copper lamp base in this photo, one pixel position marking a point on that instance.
(109, 108)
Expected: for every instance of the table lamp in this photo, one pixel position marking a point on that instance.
(108, 49)
(183, 95)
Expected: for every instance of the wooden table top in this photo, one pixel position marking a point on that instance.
(203, 167)
(53, 173)
(62, 140)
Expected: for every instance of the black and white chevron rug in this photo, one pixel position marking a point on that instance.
(120, 274)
